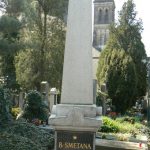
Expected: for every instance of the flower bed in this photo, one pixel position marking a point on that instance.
(123, 130)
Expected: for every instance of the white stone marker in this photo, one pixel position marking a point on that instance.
(77, 117)
(77, 85)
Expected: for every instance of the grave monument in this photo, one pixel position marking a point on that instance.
(77, 118)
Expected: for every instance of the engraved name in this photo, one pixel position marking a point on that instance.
(68, 145)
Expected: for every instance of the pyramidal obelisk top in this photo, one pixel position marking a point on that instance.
(77, 85)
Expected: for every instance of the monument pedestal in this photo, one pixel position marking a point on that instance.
(75, 126)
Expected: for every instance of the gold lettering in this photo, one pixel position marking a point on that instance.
(85, 146)
(67, 145)
(60, 145)
(78, 145)
(89, 146)
(75, 145)
(71, 145)
(81, 146)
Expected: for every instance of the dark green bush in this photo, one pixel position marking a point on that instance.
(5, 105)
(35, 107)
(109, 129)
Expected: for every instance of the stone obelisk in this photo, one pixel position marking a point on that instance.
(77, 85)
(77, 119)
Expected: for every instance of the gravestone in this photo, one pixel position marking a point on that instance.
(53, 98)
(45, 89)
(77, 118)
(21, 100)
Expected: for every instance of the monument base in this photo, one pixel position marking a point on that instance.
(74, 140)
(75, 126)
(76, 117)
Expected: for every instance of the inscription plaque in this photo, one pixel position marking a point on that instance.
(68, 140)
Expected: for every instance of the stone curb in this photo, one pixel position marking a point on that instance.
(121, 145)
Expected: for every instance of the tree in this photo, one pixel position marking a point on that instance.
(9, 45)
(31, 25)
(44, 35)
(120, 64)
(28, 62)
(127, 35)
(35, 107)
(117, 70)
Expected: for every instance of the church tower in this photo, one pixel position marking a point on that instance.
(104, 11)
(104, 14)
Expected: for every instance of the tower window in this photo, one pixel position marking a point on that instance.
(106, 16)
(100, 16)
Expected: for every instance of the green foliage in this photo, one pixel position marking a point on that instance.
(120, 64)
(127, 35)
(120, 126)
(109, 126)
(15, 112)
(26, 63)
(24, 136)
(35, 107)
(98, 100)
(44, 37)
(9, 27)
(37, 26)
(117, 70)
(9, 45)
(5, 105)
(129, 119)
(53, 7)
(15, 7)
(30, 61)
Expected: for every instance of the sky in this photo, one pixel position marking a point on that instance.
(143, 10)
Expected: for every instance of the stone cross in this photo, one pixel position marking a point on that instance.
(77, 85)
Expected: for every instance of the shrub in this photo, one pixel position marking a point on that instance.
(109, 129)
(5, 105)
(109, 125)
(120, 126)
(35, 107)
